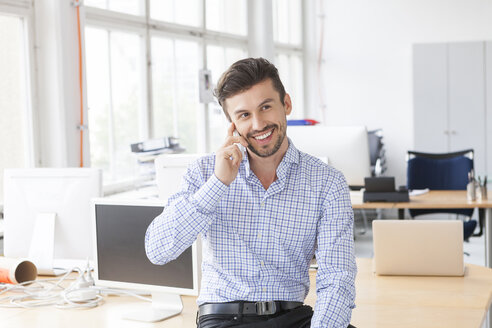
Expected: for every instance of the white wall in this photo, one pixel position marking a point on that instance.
(367, 71)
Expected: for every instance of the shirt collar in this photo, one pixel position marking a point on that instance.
(291, 157)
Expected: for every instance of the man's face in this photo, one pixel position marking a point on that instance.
(260, 117)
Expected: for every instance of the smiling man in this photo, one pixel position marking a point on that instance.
(262, 217)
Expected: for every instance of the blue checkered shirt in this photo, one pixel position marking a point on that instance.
(257, 243)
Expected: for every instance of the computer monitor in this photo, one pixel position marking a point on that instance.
(121, 261)
(47, 215)
(347, 148)
(169, 171)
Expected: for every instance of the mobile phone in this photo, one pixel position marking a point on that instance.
(242, 149)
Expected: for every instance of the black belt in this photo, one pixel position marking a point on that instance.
(258, 308)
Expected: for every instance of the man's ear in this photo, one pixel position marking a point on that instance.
(287, 104)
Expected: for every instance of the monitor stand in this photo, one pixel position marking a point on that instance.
(164, 305)
(42, 248)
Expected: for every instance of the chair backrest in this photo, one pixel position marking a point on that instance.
(375, 144)
(447, 171)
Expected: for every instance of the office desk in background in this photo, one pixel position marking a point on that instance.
(440, 199)
(383, 302)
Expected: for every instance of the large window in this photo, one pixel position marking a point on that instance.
(143, 69)
(15, 131)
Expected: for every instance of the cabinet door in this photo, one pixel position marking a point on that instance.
(488, 102)
(430, 97)
(467, 99)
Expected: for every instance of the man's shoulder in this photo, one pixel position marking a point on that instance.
(203, 162)
(202, 166)
(206, 160)
(318, 166)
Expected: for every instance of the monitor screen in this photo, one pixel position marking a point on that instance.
(120, 229)
(346, 147)
(170, 169)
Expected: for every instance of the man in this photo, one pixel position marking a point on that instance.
(262, 217)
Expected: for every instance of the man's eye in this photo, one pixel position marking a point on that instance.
(243, 115)
(265, 107)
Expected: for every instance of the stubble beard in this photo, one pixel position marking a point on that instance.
(282, 129)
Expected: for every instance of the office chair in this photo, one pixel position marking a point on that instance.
(377, 152)
(448, 171)
(377, 156)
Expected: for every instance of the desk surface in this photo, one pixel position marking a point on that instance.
(432, 199)
(381, 302)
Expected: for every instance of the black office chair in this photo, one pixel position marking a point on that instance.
(376, 152)
(377, 157)
(448, 171)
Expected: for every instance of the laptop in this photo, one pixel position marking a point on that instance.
(418, 247)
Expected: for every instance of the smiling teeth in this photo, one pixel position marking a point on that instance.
(263, 136)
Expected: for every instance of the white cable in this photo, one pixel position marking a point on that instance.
(81, 293)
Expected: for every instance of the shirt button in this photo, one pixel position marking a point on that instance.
(259, 235)
(262, 204)
(264, 289)
(262, 263)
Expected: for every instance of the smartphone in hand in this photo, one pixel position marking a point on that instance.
(242, 149)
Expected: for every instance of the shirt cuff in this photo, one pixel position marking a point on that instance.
(209, 195)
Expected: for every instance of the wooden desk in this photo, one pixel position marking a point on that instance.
(397, 301)
(406, 302)
(441, 199)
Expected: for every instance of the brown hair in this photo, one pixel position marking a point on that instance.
(244, 74)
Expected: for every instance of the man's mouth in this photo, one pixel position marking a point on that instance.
(264, 135)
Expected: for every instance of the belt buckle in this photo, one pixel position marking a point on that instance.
(266, 308)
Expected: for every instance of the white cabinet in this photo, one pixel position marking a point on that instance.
(452, 99)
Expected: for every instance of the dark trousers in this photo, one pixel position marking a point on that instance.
(297, 318)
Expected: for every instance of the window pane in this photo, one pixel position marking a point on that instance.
(132, 7)
(185, 12)
(287, 21)
(163, 87)
(98, 96)
(13, 110)
(218, 60)
(228, 16)
(290, 71)
(126, 82)
(114, 79)
(175, 90)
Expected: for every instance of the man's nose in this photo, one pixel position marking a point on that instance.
(258, 124)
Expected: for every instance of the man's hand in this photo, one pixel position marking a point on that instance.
(229, 157)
